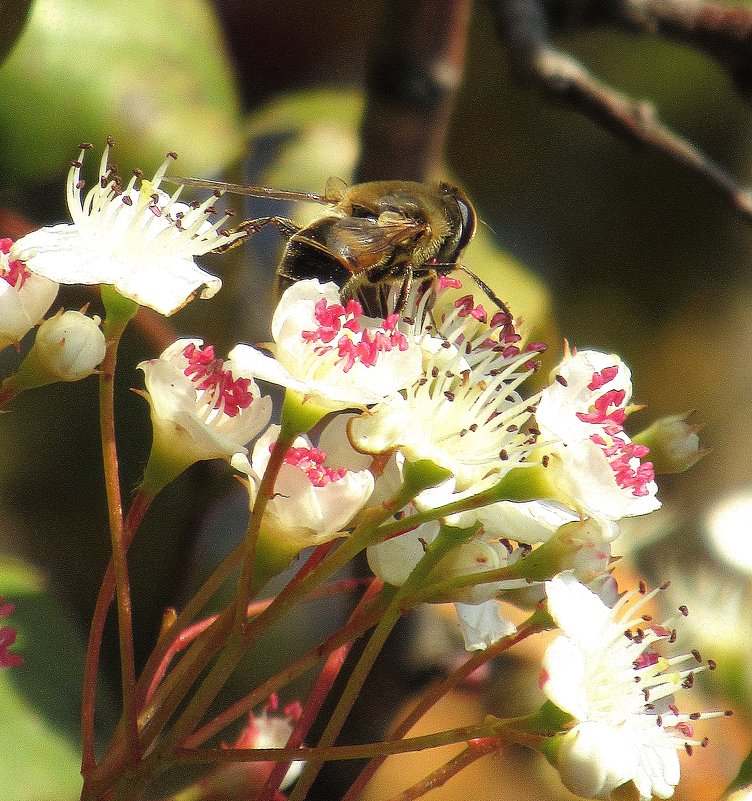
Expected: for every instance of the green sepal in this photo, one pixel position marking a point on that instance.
(300, 413)
(545, 561)
(119, 309)
(162, 468)
(422, 475)
(522, 484)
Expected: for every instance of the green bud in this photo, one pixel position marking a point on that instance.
(673, 442)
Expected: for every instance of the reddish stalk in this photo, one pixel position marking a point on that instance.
(432, 696)
(351, 631)
(113, 328)
(187, 636)
(141, 503)
(441, 775)
(480, 731)
(318, 695)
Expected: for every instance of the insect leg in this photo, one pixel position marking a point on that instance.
(486, 289)
(286, 228)
(404, 290)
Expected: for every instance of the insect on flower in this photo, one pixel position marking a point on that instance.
(384, 243)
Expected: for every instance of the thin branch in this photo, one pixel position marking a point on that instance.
(413, 76)
(442, 774)
(720, 31)
(523, 27)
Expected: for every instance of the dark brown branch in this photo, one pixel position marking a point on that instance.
(523, 28)
(413, 76)
(721, 31)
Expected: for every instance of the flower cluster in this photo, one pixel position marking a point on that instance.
(416, 440)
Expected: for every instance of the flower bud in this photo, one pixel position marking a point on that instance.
(673, 442)
(24, 297)
(68, 347)
(71, 345)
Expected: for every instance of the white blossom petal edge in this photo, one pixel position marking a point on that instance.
(24, 297)
(592, 459)
(606, 671)
(313, 501)
(139, 240)
(202, 407)
(480, 618)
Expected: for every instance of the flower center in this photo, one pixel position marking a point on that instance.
(624, 456)
(311, 462)
(221, 391)
(340, 330)
(14, 272)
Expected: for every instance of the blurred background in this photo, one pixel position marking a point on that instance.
(616, 247)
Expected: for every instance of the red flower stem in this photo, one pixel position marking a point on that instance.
(317, 696)
(173, 689)
(498, 731)
(234, 647)
(113, 329)
(301, 665)
(264, 495)
(141, 503)
(442, 774)
(444, 542)
(147, 684)
(184, 618)
(432, 696)
(187, 636)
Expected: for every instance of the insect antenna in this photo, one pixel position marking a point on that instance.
(490, 294)
(252, 191)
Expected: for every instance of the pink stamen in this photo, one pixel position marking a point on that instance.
(272, 705)
(230, 395)
(686, 729)
(6, 608)
(14, 272)
(293, 711)
(467, 308)
(311, 462)
(364, 347)
(603, 377)
(445, 282)
(608, 413)
(647, 659)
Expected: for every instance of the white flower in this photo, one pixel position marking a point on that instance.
(69, 346)
(313, 501)
(269, 729)
(140, 240)
(480, 620)
(592, 459)
(330, 353)
(605, 671)
(202, 407)
(465, 413)
(24, 297)
(272, 730)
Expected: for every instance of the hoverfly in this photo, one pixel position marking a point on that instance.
(384, 243)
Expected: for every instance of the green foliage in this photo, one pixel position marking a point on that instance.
(39, 721)
(13, 15)
(158, 83)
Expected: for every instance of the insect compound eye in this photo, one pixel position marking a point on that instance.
(467, 226)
